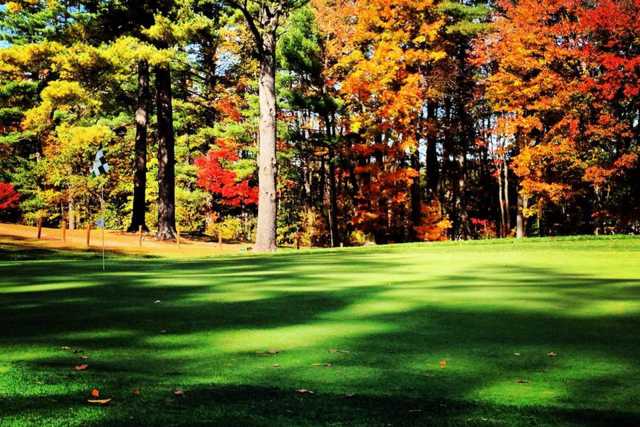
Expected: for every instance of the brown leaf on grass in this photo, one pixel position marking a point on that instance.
(326, 365)
(81, 367)
(99, 401)
(552, 354)
(136, 392)
(95, 393)
(304, 391)
(443, 363)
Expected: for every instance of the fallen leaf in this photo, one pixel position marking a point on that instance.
(178, 392)
(521, 381)
(443, 364)
(304, 391)
(552, 354)
(136, 392)
(95, 393)
(82, 367)
(99, 401)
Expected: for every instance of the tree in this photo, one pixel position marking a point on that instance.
(380, 62)
(264, 19)
(216, 175)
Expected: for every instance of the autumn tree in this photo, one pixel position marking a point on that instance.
(380, 63)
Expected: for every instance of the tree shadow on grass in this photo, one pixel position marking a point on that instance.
(207, 325)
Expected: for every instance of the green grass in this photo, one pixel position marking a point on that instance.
(392, 313)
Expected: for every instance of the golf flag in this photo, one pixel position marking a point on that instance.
(100, 165)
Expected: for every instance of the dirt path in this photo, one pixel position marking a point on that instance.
(119, 242)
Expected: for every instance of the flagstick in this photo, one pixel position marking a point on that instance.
(103, 223)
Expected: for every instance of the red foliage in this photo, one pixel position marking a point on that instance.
(215, 177)
(9, 197)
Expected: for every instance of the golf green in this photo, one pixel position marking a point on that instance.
(538, 332)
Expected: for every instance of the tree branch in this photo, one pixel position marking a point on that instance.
(251, 22)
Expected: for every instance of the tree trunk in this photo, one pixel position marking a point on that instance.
(333, 200)
(333, 197)
(72, 214)
(521, 225)
(507, 204)
(461, 220)
(433, 173)
(267, 203)
(140, 173)
(166, 156)
(416, 194)
(503, 222)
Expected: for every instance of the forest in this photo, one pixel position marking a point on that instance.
(323, 122)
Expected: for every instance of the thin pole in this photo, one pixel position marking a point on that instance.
(103, 223)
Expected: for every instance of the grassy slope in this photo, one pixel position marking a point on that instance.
(393, 313)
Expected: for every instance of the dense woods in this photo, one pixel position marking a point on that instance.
(327, 122)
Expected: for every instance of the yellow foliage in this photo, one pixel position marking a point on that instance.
(59, 95)
(19, 59)
(130, 49)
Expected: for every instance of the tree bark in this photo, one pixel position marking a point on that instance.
(267, 200)
(166, 156)
(433, 173)
(140, 173)
(72, 214)
(521, 224)
(503, 222)
(416, 194)
(507, 204)
(333, 200)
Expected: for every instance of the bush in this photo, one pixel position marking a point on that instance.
(230, 229)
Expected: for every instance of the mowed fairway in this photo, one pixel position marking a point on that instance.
(541, 332)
